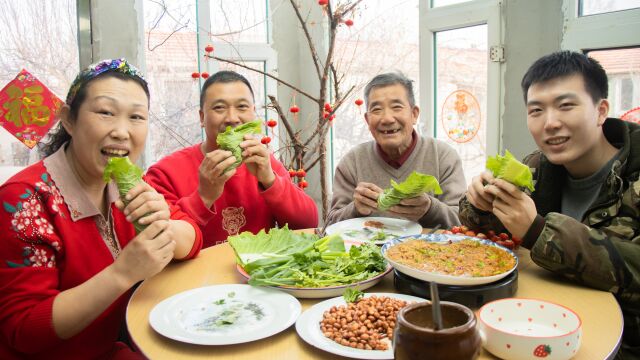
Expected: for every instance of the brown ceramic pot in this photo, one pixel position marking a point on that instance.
(414, 337)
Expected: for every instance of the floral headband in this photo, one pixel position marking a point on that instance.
(119, 65)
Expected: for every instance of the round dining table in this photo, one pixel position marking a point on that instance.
(601, 316)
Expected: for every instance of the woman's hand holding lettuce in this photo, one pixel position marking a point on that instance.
(143, 205)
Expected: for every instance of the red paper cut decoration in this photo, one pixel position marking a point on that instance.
(28, 108)
(460, 116)
(632, 115)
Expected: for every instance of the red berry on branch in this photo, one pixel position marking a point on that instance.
(205, 75)
(301, 173)
(327, 107)
(323, 2)
(326, 115)
(294, 109)
(208, 48)
(272, 123)
(359, 102)
(332, 117)
(265, 140)
(195, 75)
(292, 173)
(348, 22)
(303, 184)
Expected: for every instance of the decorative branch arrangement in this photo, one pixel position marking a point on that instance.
(301, 154)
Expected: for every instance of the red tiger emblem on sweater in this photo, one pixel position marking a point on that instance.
(233, 219)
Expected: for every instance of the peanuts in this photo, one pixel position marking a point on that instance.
(364, 324)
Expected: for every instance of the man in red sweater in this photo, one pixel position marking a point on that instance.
(257, 195)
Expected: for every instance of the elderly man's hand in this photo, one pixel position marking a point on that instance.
(515, 209)
(412, 208)
(365, 198)
(256, 157)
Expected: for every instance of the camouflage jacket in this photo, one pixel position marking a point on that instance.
(602, 251)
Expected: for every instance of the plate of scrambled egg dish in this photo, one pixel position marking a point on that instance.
(450, 259)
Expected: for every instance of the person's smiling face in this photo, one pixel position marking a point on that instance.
(564, 121)
(391, 118)
(112, 121)
(225, 104)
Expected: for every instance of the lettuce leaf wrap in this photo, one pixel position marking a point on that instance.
(231, 138)
(127, 175)
(508, 168)
(415, 184)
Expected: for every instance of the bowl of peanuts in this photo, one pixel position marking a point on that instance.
(361, 330)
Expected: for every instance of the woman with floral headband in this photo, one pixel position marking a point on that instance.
(69, 253)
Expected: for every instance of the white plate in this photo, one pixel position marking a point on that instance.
(325, 292)
(354, 229)
(443, 278)
(308, 327)
(257, 313)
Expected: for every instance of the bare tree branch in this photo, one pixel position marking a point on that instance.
(312, 48)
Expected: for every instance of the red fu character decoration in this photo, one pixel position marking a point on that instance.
(28, 108)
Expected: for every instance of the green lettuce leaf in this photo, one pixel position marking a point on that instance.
(231, 138)
(507, 167)
(280, 242)
(126, 175)
(413, 186)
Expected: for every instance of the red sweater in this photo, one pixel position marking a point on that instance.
(243, 205)
(44, 251)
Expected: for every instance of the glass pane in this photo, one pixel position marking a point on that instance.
(461, 94)
(438, 3)
(363, 51)
(171, 58)
(591, 7)
(256, 80)
(41, 37)
(623, 71)
(239, 21)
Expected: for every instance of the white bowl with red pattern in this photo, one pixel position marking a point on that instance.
(517, 328)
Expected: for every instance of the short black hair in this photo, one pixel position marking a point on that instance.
(388, 79)
(223, 76)
(567, 63)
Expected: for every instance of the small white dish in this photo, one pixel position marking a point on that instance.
(359, 230)
(224, 314)
(308, 328)
(517, 328)
(444, 278)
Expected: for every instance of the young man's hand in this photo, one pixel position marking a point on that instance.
(365, 198)
(515, 209)
(477, 194)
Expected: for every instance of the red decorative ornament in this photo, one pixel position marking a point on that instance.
(359, 102)
(348, 22)
(303, 184)
(208, 48)
(301, 173)
(332, 117)
(265, 140)
(205, 75)
(326, 115)
(294, 109)
(323, 2)
(327, 107)
(195, 75)
(272, 123)
(292, 173)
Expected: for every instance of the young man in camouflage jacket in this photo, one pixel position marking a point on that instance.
(583, 219)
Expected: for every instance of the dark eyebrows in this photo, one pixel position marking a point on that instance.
(113, 100)
(567, 96)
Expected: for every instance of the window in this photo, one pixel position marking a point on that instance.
(382, 39)
(437, 3)
(39, 36)
(461, 92)
(171, 52)
(623, 71)
(591, 7)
